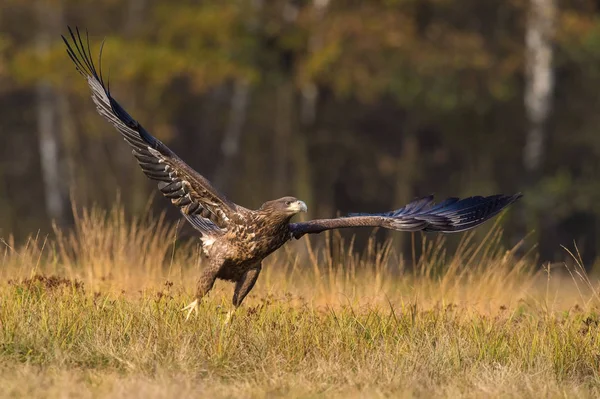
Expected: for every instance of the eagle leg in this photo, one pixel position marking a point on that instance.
(242, 287)
(205, 284)
(191, 308)
(245, 284)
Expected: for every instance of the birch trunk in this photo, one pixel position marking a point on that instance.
(540, 81)
(538, 103)
(49, 18)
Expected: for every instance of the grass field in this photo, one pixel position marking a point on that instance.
(96, 313)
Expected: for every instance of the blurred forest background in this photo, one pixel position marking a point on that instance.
(348, 105)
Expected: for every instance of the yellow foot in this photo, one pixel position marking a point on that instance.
(229, 316)
(191, 308)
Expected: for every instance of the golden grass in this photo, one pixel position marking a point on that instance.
(96, 313)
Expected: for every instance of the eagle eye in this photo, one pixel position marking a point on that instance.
(288, 203)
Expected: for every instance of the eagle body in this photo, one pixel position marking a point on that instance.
(247, 245)
(235, 239)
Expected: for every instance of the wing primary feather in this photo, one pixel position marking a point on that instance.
(100, 63)
(152, 166)
(171, 187)
(144, 158)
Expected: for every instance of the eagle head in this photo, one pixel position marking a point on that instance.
(288, 206)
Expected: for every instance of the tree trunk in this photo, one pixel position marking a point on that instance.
(285, 107)
(49, 17)
(539, 87)
(230, 146)
(540, 81)
(310, 91)
(237, 116)
(308, 110)
(139, 183)
(283, 134)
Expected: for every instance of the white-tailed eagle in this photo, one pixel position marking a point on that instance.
(236, 239)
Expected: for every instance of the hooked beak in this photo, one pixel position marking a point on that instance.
(298, 206)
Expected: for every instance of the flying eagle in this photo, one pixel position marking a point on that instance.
(236, 239)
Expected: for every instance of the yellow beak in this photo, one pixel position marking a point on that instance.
(298, 206)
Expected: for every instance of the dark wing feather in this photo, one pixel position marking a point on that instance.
(203, 206)
(451, 215)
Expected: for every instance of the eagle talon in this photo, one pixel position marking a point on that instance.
(191, 308)
(229, 317)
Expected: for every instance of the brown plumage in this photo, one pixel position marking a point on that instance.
(236, 239)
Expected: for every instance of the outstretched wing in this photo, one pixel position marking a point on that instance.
(203, 206)
(451, 215)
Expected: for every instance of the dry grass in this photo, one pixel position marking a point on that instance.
(96, 313)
